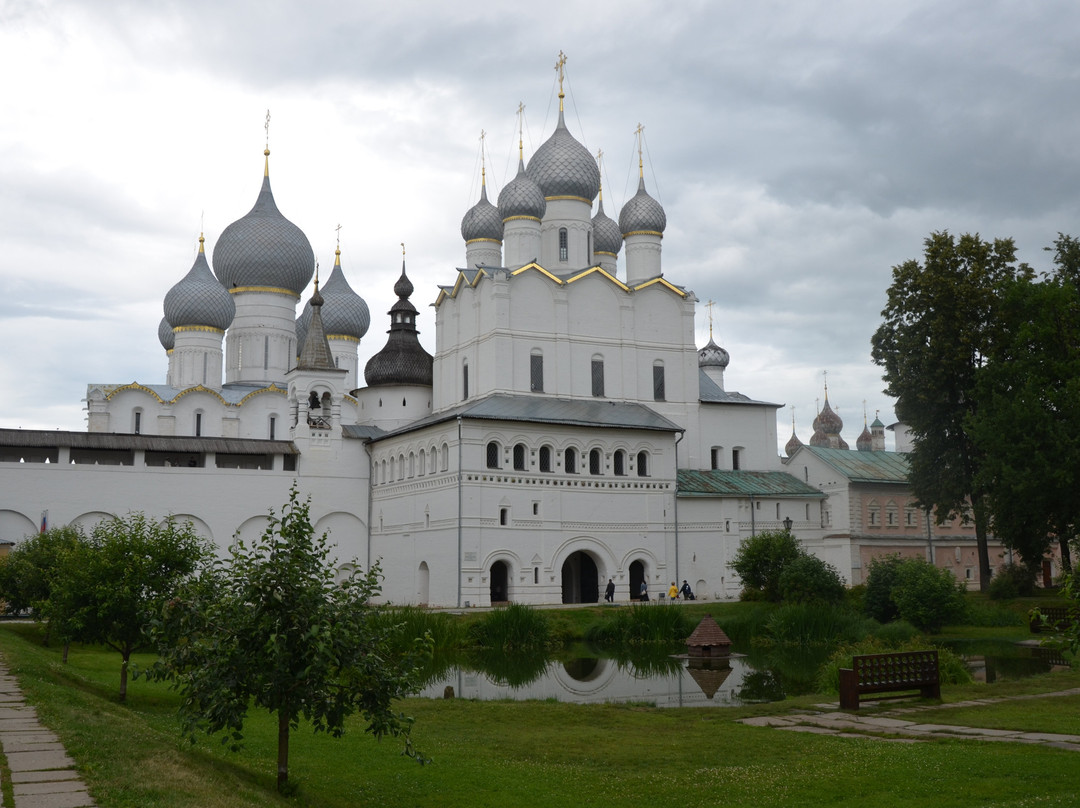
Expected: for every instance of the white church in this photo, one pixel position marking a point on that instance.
(567, 430)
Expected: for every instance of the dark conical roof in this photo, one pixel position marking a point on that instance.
(315, 354)
(403, 360)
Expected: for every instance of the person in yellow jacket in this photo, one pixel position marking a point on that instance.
(673, 592)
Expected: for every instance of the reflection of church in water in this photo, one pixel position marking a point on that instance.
(566, 431)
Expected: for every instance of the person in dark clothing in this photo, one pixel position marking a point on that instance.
(686, 592)
(609, 595)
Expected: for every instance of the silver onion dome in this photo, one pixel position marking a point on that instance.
(642, 213)
(482, 220)
(521, 197)
(713, 356)
(199, 299)
(165, 335)
(264, 249)
(607, 238)
(563, 167)
(344, 313)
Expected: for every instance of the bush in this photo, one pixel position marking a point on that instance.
(1012, 581)
(896, 633)
(951, 667)
(642, 626)
(925, 596)
(808, 579)
(760, 560)
(516, 627)
(809, 624)
(880, 580)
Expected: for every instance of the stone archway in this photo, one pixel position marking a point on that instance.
(580, 579)
(500, 581)
(637, 575)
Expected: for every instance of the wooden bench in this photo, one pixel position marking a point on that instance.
(899, 673)
(1050, 618)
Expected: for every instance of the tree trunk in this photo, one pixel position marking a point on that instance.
(126, 655)
(282, 750)
(1066, 554)
(980, 538)
(67, 647)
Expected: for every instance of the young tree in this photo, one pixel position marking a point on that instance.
(761, 559)
(28, 576)
(111, 586)
(939, 322)
(270, 627)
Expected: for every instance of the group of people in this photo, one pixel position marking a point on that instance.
(674, 592)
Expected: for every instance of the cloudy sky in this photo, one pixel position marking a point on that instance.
(800, 149)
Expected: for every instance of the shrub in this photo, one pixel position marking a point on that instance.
(642, 625)
(808, 624)
(896, 633)
(951, 667)
(516, 627)
(880, 580)
(1011, 581)
(761, 559)
(808, 579)
(925, 596)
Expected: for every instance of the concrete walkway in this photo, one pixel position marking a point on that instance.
(42, 774)
(886, 725)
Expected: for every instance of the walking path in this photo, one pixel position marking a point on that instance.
(42, 774)
(886, 726)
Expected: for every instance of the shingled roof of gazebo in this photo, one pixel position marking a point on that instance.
(708, 635)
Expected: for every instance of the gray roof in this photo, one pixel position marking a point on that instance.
(165, 335)
(264, 249)
(361, 432)
(40, 438)
(230, 393)
(606, 234)
(721, 483)
(642, 212)
(482, 220)
(593, 413)
(712, 355)
(344, 312)
(563, 167)
(862, 467)
(709, 392)
(199, 298)
(522, 197)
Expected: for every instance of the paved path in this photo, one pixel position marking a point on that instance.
(42, 774)
(888, 726)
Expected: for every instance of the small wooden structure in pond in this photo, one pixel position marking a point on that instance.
(708, 640)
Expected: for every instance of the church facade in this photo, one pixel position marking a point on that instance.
(567, 431)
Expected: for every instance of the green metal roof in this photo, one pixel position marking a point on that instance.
(863, 467)
(723, 483)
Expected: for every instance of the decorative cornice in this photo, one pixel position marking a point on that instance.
(199, 389)
(568, 197)
(274, 290)
(601, 271)
(206, 328)
(135, 386)
(520, 218)
(344, 338)
(273, 388)
(480, 240)
(643, 233)
(537, 268)
(665, 283)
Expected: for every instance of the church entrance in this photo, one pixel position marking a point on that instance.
(637, 575)
(580, 582)
(500, 574)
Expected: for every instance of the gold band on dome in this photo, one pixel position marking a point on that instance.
(520, 218)
(276, 290)
(207, 328)
(571, 198)
(343, 337)
(605, 252)
(643, 233)
(478, 240)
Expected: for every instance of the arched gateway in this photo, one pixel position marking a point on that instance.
(580, 581)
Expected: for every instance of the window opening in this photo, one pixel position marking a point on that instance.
(595, 460)
(642, 464)
(658, 383)
(493, 455)
(564, 250)
(536, 373)
(545, 458)
(519, 457)
(569, 464)
(598, 378)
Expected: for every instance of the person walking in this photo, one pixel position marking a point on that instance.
(609, 595)
(644, 591)
(686, 592)
(673, 591)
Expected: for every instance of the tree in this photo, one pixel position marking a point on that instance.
(109, 587)
(270, 627)
(808, 579)
(925, 596)
(880, 580)
(761, 559)
(939, 322)
(1027, 425)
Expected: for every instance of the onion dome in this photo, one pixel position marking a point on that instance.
(642, 214)
(607, 238)
(521, 198)
(165, 335)
(865, 441)
(827, 426)
(403, 360)
(482, 221)
(264, 249)
(563, 167)
(199, 299)
(713, 356)
(792, 445)
(344, 312)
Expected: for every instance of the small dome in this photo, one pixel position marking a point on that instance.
(606, 235)
(403, 360)
(165, 334)
(792, 445)
(865, 441)
(264, 249)
(563, 167)
(828, 421)
(344, 313)
(522, 197)
(199, 299)
(642, 213)
(713, 356)
(482, 221)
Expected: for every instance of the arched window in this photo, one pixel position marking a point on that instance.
(401, 467)
(595, 461)
(619, 463)
(598, 376)
(393, 468)
(519, 457)
(570, 461)
(273, 427)
(465, 379)
(493, 455)
(412, 464)
(536, 372)
(564, 248)
(445, 455)
(136, 425)
(545, 458)
(659, 393)
(198, 424)
(642, 464)
(422, 464)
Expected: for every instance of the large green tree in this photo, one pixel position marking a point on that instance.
(937, 329)
(30, 573)
(1027, 425)
(272, 627)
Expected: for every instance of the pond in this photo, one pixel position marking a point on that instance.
(591, 677)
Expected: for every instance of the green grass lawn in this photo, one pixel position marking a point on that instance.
(525, 754)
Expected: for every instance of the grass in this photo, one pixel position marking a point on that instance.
(535, 753)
